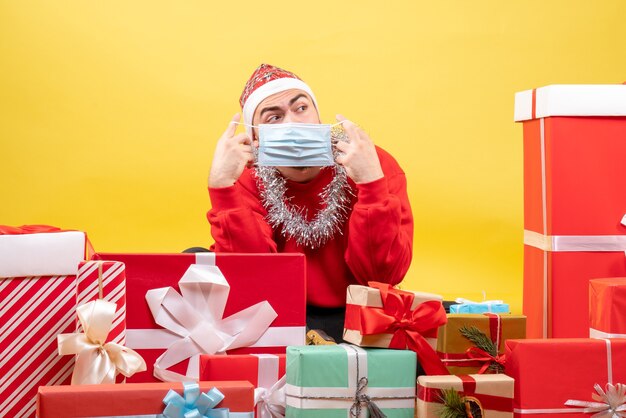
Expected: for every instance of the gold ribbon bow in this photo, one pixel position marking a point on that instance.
(611, 403)
(97, 361)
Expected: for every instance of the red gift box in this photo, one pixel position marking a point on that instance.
(34, 309)
(262, 370)
(132, 399)
(607, 307)
(549, 372)
(574, 200)
(276, 278)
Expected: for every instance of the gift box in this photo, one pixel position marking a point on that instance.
(138, 399)
(34, 308)
(574, 178)
(491, 395)
(346, 380)
(464, 306)
(265, 371)
(382, 316)
(607, 307)
(220, 291)
(550, 372)
(462, 356)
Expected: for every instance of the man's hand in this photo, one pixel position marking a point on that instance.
(359, 156)
(232, 154)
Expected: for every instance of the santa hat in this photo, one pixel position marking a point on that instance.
(266, 81)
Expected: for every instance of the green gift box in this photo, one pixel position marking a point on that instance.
(340, 381)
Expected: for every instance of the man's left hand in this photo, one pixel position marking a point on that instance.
(358, 156)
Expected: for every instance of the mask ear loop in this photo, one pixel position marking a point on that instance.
(258, 126)
(244, 124)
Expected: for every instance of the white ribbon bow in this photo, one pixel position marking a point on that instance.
(195, 316)
(271, 402)
(610, 403)
(97, 361)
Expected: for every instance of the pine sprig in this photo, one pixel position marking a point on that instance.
(480, 340)
(453, 405)
(457, 406)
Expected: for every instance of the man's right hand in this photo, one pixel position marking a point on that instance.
(232, 154)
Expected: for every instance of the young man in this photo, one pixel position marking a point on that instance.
(352, 220)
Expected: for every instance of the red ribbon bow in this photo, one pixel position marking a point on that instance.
(407, 326)
(27, 229)
(478, 354)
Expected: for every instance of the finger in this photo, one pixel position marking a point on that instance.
(342, 146)
(232, 126)
(242, 138)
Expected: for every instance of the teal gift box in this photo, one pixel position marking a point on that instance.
(339, 381)
(465, 306)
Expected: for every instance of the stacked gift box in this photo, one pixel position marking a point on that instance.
(118, 335)
(574, 238)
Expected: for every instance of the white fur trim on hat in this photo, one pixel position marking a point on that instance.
(268, 89)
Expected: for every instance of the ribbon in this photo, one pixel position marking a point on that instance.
(594, 333)
(486, 359)
(194, 403)
(572, 243)
(97, 362)
(270, 402)
(269, 396)
(407, 326)
(27, 229)
(610, 403)
(194, 317)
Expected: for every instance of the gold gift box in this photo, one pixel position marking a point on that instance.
(452, 345)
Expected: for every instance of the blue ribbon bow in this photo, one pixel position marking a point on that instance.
(194, 403)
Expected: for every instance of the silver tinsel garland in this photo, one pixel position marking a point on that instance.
(291, 220)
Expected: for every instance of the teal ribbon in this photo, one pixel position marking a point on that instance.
(194, 403)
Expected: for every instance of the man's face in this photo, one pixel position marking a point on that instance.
(289, 106)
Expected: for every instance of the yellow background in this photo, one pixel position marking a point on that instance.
(109, 111)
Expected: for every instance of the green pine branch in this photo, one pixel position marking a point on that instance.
(480, 340)
(457, 406)
(453, 405)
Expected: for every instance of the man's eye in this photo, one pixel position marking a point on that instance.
(302, 108)
(273, 118)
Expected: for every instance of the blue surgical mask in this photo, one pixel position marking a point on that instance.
(295, 145)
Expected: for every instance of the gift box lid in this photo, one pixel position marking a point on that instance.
(41, 254)
(571, 100)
